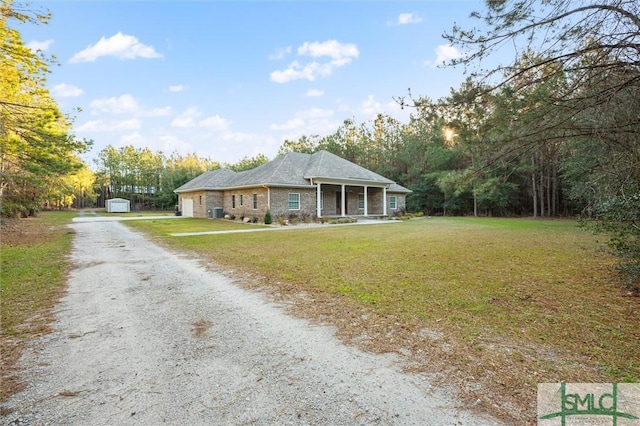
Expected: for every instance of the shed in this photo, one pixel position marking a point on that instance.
(118, 205)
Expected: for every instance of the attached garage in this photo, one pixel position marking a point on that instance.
(187, 207)
(118, 205)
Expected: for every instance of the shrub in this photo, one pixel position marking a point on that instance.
(343, 220)
(305, 216)
(619, 219)
(267, 218)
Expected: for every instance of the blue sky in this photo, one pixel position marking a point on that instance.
(228, 80)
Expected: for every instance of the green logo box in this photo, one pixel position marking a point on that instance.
(588, 404)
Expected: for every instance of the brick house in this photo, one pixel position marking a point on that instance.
(294, 184)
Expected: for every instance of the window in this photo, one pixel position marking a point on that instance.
(233, 201)
(255, 201)
(200, 199)
(241, 200)
(321, 200)
(294, 201)
(393, 203)
(361, 201)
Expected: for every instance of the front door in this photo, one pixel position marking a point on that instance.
(339, 202)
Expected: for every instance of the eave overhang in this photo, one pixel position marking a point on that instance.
(348, 181)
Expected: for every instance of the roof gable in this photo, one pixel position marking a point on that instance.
(324, 164)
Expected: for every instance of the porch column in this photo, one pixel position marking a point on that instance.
(268, 198)
(366, 207)
(342, 204)
(384, 201)
(318, 201)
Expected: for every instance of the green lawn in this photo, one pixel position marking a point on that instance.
(166, 227)
(517, 301)
(33, 267)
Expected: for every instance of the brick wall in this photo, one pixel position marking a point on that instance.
(280, 201)
(244, 203)
(199, 202)
(204, 203)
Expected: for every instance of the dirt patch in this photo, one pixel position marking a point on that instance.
(201, 328)
(22, 231)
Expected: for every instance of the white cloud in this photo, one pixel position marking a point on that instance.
(444, 53)
(64, 90)
(130, 124)
(296, 71)
(124, 104)
(171, 143)
(280, 53)
(36, 45)
(216, 122)
(292, 124)
(187, 118)
(135, 139)
(108, 125)
(315, 113)
(370, 107)
(340, 55)
(191, 118)
(331, 48)
(177, 88)
(120, 45)
(312, 121)
(406, 18)
(313, 93)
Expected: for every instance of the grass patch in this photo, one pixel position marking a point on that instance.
(33, 268)
(511, 302)
(141, 213)
(176, 226)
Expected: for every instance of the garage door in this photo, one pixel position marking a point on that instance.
(187, 207)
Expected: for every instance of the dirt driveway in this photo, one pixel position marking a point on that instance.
(148, 337)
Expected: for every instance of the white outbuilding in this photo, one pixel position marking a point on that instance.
(118, 205)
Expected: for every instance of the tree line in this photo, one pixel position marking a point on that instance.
(37, 151)
(555, 132)
(148, 178)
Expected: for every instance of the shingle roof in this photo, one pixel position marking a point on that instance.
(287, 169)
(291, 169)
(208, 180)
(324, 164)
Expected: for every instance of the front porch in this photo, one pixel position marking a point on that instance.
(342, 200)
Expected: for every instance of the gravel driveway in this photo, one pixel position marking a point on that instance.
(148, 337)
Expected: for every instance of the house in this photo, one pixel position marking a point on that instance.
(294, 184)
